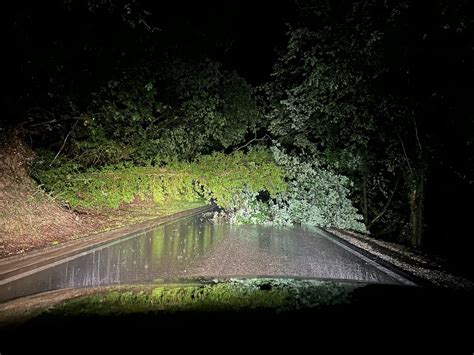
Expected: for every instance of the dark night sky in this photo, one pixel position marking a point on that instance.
(241, 34)
(244, 33)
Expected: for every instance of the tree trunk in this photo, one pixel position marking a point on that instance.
(365, 173)
(364, 200)
(417, 195)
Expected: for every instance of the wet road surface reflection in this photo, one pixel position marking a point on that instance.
(194, 247)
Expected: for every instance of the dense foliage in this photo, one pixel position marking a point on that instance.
(217, 177)
(325, 99)
(296, 191)
(177, 110)
(315, 196)
(366, 107)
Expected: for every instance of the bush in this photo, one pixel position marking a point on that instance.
(315, 196)
(217, 177)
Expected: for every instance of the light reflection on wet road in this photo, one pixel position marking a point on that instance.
(193, 247)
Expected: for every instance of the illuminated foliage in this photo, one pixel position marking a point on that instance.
(217, 177)
(315, 196)
(328, 99)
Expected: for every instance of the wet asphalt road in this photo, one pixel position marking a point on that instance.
(281, 251)
(193, 247)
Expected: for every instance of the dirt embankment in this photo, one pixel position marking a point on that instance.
(30, 218)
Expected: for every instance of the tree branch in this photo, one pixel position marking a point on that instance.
(416, 130)
(404, 151)
(64, 143)
(252, 140)
(385, 207)
(412, 104)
